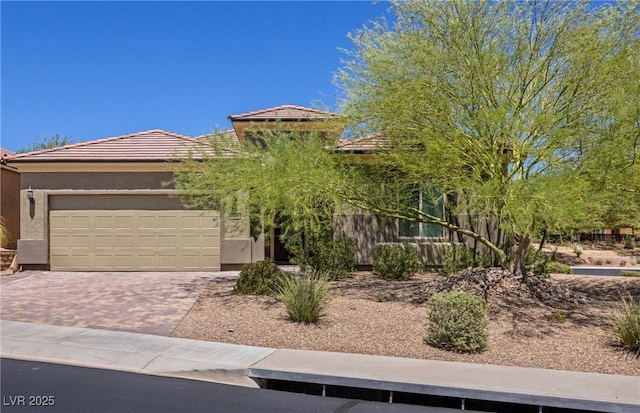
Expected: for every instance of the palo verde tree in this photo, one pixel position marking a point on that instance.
(47, 143)
(520, 108)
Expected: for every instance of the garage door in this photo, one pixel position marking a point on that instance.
(134, 240)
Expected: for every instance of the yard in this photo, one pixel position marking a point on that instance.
(369, 315)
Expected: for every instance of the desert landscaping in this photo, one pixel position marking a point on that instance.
(370, 315)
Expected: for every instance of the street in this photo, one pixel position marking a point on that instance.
(43, 387)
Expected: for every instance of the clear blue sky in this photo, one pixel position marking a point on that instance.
(91, 70)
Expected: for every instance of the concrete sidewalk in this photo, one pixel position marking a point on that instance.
(235, 364)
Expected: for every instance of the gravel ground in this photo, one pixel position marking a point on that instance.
(520, 332)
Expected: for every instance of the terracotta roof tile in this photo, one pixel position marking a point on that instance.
(284, 112)
(148, 146)
(363, 144)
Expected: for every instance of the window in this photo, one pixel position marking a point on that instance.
(430, 202)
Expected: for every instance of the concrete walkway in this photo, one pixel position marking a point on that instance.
(234, 364)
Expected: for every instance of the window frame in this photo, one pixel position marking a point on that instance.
(420, 225)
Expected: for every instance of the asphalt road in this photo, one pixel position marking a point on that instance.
(42, 387)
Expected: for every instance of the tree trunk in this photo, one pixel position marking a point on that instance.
(518, 250)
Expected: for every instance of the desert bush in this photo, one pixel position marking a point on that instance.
(629, 243)
(396, 261)
(554, 267)
(457, 322)
(536, 261)
(598, 262)
(321, 254)
(577, 249)
(625, 323)
(304, 297)
(630, 273)
(558, 316)
(259, 278)
(457, 259)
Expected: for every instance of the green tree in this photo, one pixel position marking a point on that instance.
(519, 107)
(47, 143)
(517, 111)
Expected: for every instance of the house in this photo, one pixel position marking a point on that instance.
(109, 204)
(9, 195)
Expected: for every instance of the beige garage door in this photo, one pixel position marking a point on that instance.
(134, 240)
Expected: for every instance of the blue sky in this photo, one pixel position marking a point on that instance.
(91, 70)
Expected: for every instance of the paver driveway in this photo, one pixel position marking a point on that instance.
(142, 302)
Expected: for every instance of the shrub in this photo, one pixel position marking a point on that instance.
(457, 321)
(558, 316)
(396, 261)
(536, 261)
(321, 254)
(630, 273)
(554, 267)
(625, 323)
(577, 249)
(629, 243)
(258, 278)
(380, 297)
(304, 297)
(457, 259)
(598, 262)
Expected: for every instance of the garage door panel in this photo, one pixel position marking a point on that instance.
(134, 240)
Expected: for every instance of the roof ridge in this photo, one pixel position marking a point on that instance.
(281, 107)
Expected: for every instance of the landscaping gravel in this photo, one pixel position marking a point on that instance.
(372, 316)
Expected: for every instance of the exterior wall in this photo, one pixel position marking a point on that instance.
(10, 203)
(96, 190)
(369, 230)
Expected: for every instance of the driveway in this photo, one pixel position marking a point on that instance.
(141, 302)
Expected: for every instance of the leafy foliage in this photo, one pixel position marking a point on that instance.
(525, 97)
(396, 261)
(54, 141)
(304, 297)
(457, 259)
(321, 254)
(259, 278)
(457, 321)
(625, 323)
(554, 267)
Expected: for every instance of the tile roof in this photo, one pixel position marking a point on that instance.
(149, 146)
(363, 144)
(285, 113)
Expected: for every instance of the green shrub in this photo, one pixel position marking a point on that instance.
(598, 262)
(625, 323)
(577, 249)
(558, 316)
(607, 261)
(259, 278)
(457, 259)
(321, 254)
(380, 297)
(396, 261)
(630, 273)
(457, 321)
(304, 297)
(554, 267)
(536, 261)
(629, 243)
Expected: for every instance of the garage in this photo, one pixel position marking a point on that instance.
(117, 239)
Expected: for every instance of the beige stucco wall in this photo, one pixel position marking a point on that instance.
(369, 230)
(237, 246)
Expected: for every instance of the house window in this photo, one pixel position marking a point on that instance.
(430, 202)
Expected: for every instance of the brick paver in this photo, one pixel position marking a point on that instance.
(141, 302)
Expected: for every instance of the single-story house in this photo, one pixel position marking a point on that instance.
(109, 204)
